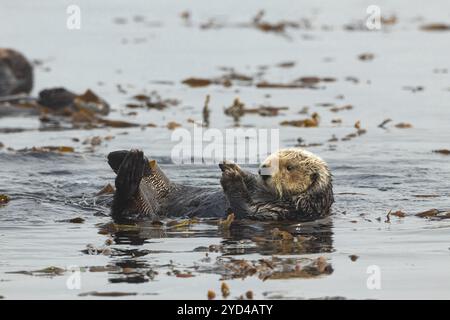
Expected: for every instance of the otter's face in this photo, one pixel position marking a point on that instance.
(292, 171)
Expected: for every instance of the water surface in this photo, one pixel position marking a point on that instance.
(382, 170)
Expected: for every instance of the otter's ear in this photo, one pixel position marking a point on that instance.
(115, 159)
(152, 164)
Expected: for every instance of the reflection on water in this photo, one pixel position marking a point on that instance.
(240, 239)
(387, 168)
(165, 253)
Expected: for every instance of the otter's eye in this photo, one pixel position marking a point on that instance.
(314, 176)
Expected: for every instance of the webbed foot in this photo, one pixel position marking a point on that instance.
(127, 182)
(115, 159)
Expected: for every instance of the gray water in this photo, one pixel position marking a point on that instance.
(382, 170)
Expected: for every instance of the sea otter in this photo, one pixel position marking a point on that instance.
(292, 184)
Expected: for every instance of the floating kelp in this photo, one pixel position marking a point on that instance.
(249, 295)
(281, 27)
(186, 17)
(116, 123)
(434, 213)
(384, 123)
(225, 290)
(279, 85)
(425, 196)
(311, 80)
(353, 257)
(398, 213)
(274, 268)
(90, 101)
(259, 23)
(431, 214)
(73, 220)
(366, 56)
(265, 111)
(435, 27)
(49, 149)
(414, 89)
(403, 125)
(4, 199)
(107, 294)
(152, 101)
(184, 275)
(336, 121)
(286, 64)
(229, 78)
(211, 295)
(197, 82)
(236, 110)
(389, 20)
(337, 109)
(49, 272)
(172, 125)
(95, 141)
(306, 123)
(442, 151)
(108, 268)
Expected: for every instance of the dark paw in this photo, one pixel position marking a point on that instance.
(230, 166)
(130, 173)
(232, 178)
(115, 159)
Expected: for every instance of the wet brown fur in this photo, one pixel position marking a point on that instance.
(293, 185)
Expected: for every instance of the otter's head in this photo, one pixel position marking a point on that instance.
(293, 171)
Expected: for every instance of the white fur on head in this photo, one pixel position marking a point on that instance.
(310, 163)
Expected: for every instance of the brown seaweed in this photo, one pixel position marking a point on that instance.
(306, 123)
(435, 27)
(442, 151)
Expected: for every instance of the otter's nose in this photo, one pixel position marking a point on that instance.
(264, 172)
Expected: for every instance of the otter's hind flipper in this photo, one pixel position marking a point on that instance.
(140, 185)
(116, 158)
(129, 176)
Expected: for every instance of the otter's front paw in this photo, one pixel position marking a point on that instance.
(232, 177)
(230, 166)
